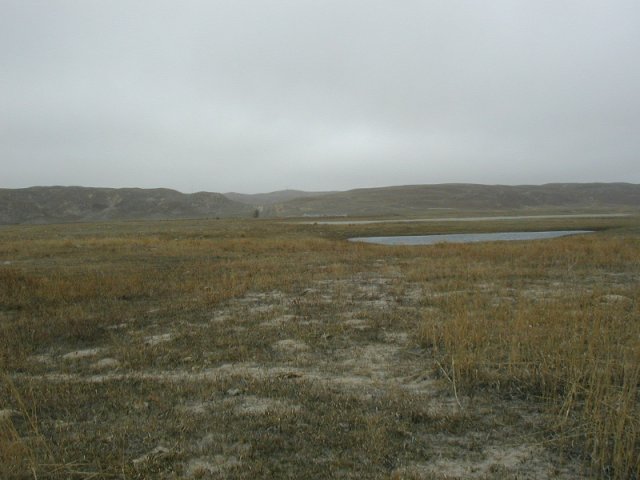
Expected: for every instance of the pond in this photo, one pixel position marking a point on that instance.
(467, 237)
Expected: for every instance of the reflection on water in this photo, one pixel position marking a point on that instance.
(466, 237)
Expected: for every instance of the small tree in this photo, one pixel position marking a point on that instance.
(256, 213)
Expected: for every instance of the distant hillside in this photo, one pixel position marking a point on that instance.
(410, 199)
(73, 204)
(262, 199)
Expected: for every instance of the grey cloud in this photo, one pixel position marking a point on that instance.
(261, 95)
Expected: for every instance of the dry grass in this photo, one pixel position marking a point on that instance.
(258, 349)
(563, 329)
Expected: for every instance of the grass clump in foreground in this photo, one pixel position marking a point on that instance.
(258, 349)
(564, 330)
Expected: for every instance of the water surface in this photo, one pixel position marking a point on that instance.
(466, 237)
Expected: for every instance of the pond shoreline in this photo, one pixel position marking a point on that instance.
(467, 237)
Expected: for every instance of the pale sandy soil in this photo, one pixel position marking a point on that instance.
(357, 353)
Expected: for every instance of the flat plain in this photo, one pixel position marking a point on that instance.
(272, 349)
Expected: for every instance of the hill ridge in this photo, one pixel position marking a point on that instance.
(51, 204)
(413, 199)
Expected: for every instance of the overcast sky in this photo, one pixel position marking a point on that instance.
(261, 95)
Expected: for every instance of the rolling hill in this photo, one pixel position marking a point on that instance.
(417, 199)
(273, 198)
(75, 204)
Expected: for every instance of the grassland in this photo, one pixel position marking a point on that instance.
(265, 349)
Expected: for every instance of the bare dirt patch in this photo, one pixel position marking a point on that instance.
(252, 405)
(385, 367)
(79, 354)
